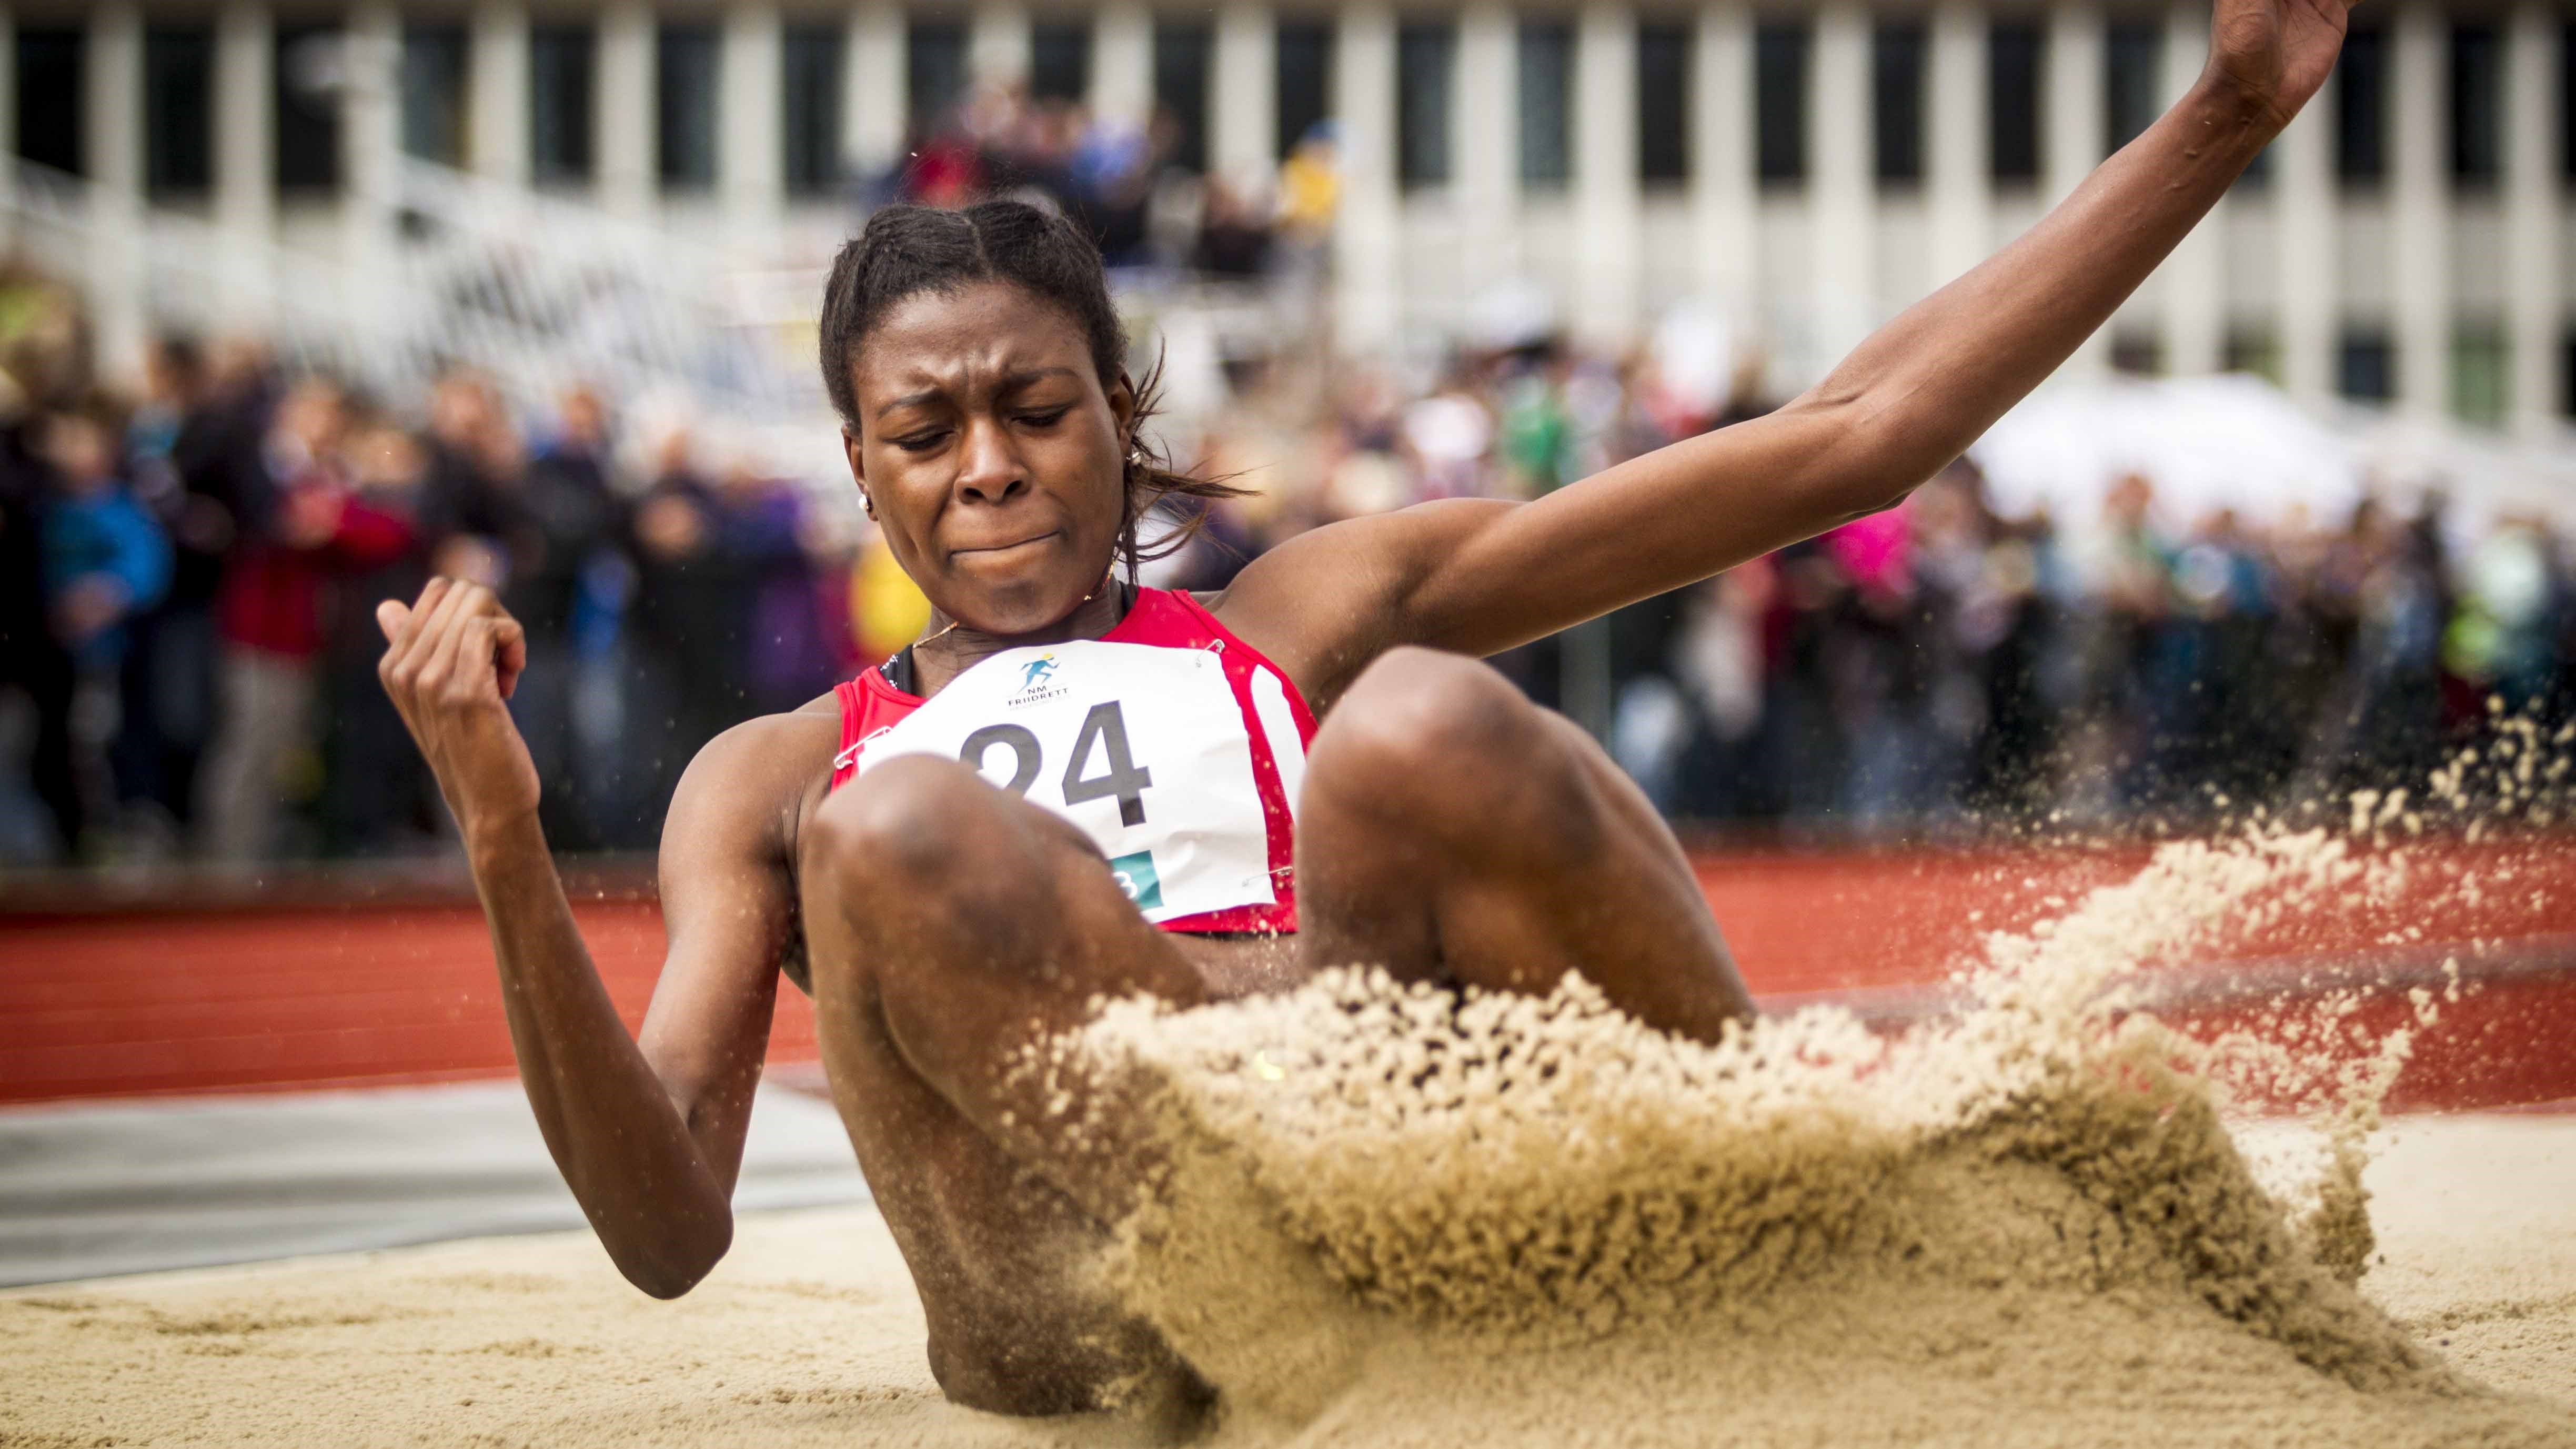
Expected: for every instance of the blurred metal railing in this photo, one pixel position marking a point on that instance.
(535, 291)
(565, 291)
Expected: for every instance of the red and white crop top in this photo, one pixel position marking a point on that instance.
(1170, 742)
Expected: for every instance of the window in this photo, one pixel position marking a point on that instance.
(2366, 365)
(2258, 172)
(1896, 100)
(2012, 99)
(934, 69)
(50, 75)
(1780, 101)
(2567, 375)
(433, 93)
(1182, 49)
(2131, 53)
(178, 110)
(560, 61)
(1060, 60)
(809, 119)
(2254, 350)
(2361, 107)
(308, 114)
(1426, 54)
(2477, 104)
(1305, 79)
(1663, 103)
(2139, 354)
(2481, 380)
(684, 106)
(2567, 106)
(1547, 103)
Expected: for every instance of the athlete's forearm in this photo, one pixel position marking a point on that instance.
(622, 1144)
(1921, 389)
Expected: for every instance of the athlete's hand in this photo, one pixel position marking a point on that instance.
(451, 661)
(2275, 53)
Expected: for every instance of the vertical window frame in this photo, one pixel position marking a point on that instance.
(308, 150)
(1543, 77)
(1783, 73)
(1184, 61)
(1665, 97)
(934, 68)
(2481, 372)
(1426, 91)
(1300, 101)
(812, 52)
(1900, 56)
(1062, 55)
(2133, 48)
(2360, 86)
(436, 57)
(2474, 102)
(686, 141)
(178, 110)
(2016, 112)
(563, 103)
(2366, 355)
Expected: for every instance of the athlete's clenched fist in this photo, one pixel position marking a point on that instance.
(450, 663)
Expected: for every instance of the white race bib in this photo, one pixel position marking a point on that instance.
(1141, 746)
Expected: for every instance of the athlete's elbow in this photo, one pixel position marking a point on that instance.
(1873, 451)
(1867, 486)
(1879, 495)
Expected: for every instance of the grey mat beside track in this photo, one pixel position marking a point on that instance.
(93, 1189)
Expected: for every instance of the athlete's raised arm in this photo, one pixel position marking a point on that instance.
(648, 1137)
(1479, 577)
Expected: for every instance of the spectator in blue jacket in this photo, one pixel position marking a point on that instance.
(101, 562)
(104, 559)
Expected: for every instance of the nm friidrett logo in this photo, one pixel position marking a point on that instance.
(1037, 682)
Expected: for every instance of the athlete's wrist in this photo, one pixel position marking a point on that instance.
(2242, 118)
(498, 838)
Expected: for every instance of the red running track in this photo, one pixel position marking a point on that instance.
(354, 993)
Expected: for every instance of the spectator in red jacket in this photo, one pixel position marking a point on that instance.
(311, 528)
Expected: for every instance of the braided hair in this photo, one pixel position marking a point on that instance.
(905, 250)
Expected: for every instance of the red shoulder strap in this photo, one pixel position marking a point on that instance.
(853, 701)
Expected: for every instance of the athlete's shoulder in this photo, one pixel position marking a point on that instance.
(785, 749)
(1326, 602)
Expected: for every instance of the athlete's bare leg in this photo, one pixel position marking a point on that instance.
(1448, 829)
(948, 925)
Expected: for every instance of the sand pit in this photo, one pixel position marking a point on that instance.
(809, 1335)
(1390, 1216)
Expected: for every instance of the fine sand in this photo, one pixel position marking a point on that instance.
(1385, 1215)
(809, 1334)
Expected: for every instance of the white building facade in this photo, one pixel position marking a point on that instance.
(1805, 169)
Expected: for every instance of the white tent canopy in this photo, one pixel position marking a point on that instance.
(2236, 441)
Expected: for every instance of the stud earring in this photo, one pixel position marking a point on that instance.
(869, 504)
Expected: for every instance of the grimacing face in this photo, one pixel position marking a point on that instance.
(995, 458)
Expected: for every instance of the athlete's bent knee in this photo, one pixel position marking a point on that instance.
(1419, 723)
(1439, 745)
(909, 823)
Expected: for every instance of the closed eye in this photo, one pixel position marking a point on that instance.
(920, 442)
(1045, 420)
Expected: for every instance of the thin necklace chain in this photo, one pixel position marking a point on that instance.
(953, 623)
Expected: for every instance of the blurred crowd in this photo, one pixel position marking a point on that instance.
(1124, 183)
(1940, 666)
(188, 581)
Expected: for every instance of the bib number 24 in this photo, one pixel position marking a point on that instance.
(1103, 733)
